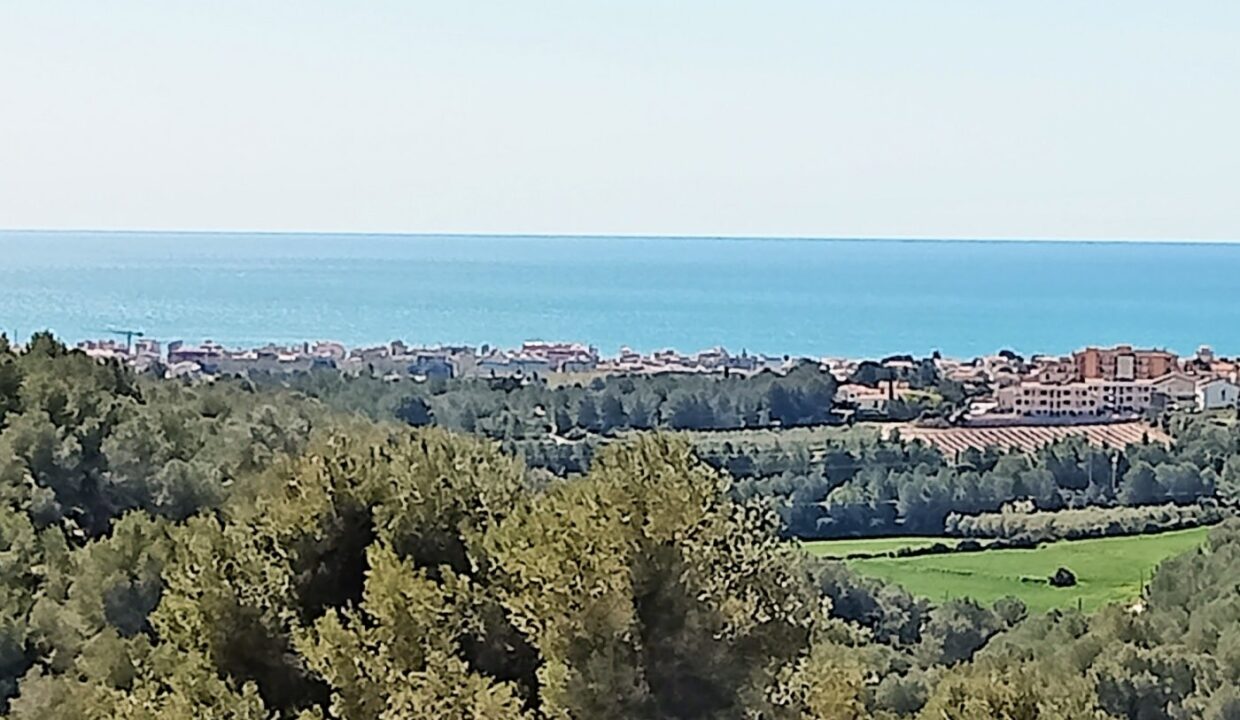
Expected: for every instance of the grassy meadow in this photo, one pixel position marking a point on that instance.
(1108, 570)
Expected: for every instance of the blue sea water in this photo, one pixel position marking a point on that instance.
(812, 297)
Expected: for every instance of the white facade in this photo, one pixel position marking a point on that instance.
(1217, 394)
(1091, 398)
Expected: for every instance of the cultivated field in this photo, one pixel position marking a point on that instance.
(948, 440)
(1107, 569)
(1031, 437)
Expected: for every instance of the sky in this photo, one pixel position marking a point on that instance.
(792, 118)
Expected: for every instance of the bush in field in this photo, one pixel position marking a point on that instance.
(1063, 577)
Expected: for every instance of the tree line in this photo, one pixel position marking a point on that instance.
(1050, 526)
(524, 409)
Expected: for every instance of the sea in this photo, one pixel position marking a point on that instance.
(818, 298)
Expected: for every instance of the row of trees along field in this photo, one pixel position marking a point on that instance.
(215, 552)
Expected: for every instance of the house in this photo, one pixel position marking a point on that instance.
(863, 397)
(463, 358)
(773, 363)
(146, 346)
(715, 357)
(1052, 370)
(1225, 368)
(500, 365)
(337, 351)
(580, 365)
(208, 352)
(871, 399)
(187, 370)
(431, 365)
(900, 364)
(1176, 389)
(551, 356)
(1217, 394)
(496, 364)
(527, 364)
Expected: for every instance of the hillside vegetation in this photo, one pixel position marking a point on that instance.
(240, 552)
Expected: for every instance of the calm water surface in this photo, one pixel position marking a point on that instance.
(829, 297)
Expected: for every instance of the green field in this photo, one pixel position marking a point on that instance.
(846, 547)
(1108, 569)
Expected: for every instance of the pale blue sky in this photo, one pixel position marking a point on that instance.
(704, 117)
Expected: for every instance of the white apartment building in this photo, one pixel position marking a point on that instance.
(1094, 397)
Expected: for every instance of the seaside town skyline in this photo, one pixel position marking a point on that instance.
(1092, 384)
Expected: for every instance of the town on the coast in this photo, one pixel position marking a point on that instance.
(1091, 386)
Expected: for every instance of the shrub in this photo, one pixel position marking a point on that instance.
(1063, 577)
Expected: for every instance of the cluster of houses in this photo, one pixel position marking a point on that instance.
(1115, 382)
(396, 359)
(715, 360)
(1089, 385)
(872, 401)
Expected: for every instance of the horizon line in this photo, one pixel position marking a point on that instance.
(640, 236)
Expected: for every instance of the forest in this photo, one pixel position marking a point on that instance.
(245, 550)
(851, 483)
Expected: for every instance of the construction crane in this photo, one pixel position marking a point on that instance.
(129, 335)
